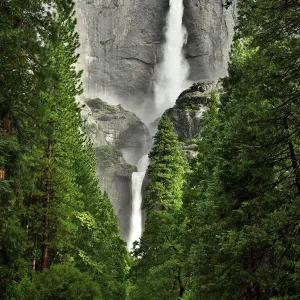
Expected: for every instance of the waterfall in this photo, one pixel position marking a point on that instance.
(172, 72)
(136, 216)
(170, 80)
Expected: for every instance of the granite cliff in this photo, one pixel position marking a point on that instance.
(121, 44)
(120, 139)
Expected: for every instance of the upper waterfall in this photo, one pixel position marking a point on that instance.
(173, 71)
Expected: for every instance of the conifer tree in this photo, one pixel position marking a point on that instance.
(157, 270)
(53, 214)
(243, 195)
(166, 169)
(20, 62)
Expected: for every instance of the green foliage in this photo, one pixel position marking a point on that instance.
(66, 282)
(61, 281)
(52, 211)
(230, 231)
(243, 192)
(156, 272)
(166, 169)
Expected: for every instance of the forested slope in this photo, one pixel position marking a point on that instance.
(54, 218)
(236, 235)
(224, 225)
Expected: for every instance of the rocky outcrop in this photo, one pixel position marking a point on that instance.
(121, 43)
(114, 175)
(113, 125)
(188, 114)
(116, 133)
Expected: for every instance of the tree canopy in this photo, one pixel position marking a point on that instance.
(224, 225)
(54, 219)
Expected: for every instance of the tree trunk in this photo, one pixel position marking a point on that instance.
(47, 200)
(33, 264)
(7, 124)
(180, 283)
(293, 159)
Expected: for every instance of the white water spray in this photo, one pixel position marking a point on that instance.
(136, 216)
(173, 71)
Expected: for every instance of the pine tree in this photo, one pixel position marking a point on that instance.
(166, 169)
(157, 270)
(53, 214)
(243, 195)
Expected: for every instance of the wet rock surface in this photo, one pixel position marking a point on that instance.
(114, 175)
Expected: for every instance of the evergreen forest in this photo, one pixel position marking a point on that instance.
(223, 225)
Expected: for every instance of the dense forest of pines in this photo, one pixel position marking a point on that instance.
(229, 228)
(58, 234)
(225, 225)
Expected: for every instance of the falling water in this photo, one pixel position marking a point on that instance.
(173, 71)
(171, 79)
(136, 216)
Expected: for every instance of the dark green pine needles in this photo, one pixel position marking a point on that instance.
(156, 271)
(54, 224)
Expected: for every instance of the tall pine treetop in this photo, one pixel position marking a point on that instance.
(166, 168)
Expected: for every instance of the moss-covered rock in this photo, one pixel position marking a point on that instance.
(108, 156)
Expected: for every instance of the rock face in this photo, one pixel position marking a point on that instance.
(119, 39)
(188, 114)
(114, 130)
(121, 44)
(114, 175)
(210, 27)
(113, 125)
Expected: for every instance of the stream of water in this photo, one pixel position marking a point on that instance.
(136, 216)
(172, 73)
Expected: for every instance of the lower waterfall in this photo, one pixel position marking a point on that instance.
(136, 216)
